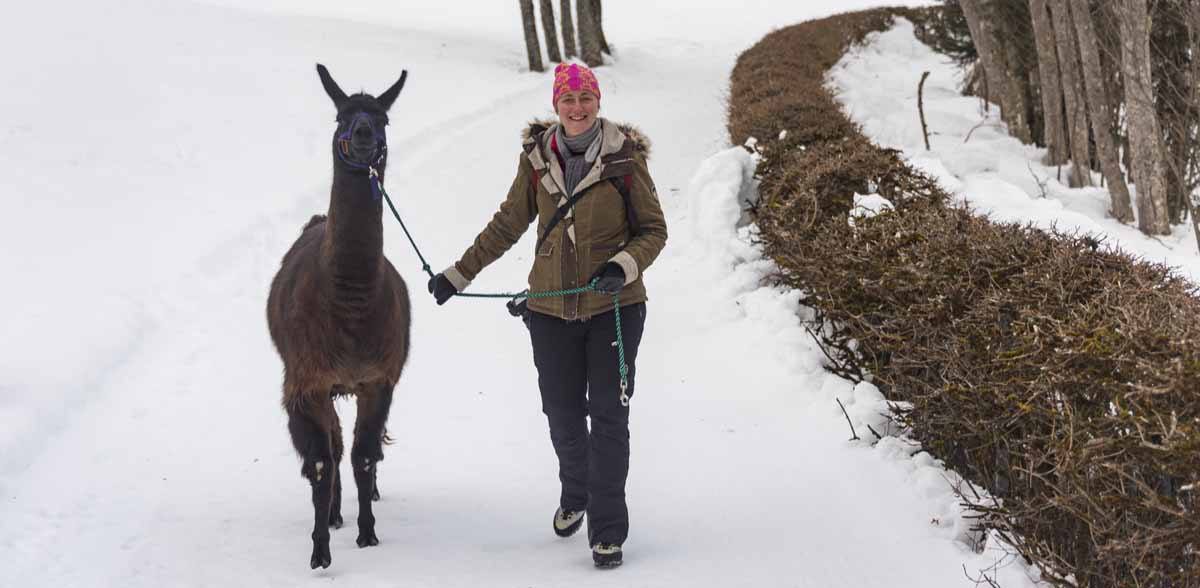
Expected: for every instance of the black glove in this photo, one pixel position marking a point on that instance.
(612, 278)
(441, 288)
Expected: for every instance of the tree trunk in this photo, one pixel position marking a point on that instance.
(589, 37)
(597, 11)
(1144, 134)
(1072, 88)
(551, 31)
(1194, 40)
(1055, 129)
(1012, 109)
(532, 48)
(1102, 125)
(568, 29)
(1171, 71)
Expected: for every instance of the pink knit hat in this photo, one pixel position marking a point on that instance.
(572, 77)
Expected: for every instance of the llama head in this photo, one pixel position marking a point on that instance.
(360, 140)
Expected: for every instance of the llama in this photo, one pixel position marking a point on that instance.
(339, 315)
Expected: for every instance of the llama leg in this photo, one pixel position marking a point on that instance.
(375, 492)
(367, 452)
(310, 429)
(335, 509)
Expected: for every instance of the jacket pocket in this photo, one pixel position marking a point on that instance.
(543, 276)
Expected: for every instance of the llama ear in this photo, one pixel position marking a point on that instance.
(335, 93)
(388, 97)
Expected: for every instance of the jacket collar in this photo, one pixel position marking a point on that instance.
(612, 140)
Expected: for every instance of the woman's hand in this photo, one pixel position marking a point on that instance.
(441, 288)
(612, 278)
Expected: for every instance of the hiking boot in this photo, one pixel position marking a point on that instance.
(606, 555)
(567, 522)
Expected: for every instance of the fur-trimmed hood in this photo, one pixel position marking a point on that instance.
(641, 143)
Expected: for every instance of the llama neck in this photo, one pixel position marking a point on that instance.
(353, 247)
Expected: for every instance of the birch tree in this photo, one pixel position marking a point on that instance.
(1012, 108)
(1072, 89)
(1048, 76)
(1193, 21)
(532, 49)
(589, 34)
(1144, 132)
(568, 29)
(598, 19)
(550, 30)
(1101, 122)
(1170, 53)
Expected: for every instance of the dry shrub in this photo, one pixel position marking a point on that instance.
(1059, 374)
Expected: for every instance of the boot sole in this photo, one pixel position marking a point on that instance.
(607, 565)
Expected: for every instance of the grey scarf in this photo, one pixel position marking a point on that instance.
(578, 153)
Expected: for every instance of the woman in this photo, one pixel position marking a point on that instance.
(585, 179)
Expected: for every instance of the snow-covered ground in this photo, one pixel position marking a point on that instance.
(972, 154)
(159, 158)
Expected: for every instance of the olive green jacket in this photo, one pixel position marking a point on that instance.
(593, 233)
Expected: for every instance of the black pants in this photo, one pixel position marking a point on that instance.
(578, 377)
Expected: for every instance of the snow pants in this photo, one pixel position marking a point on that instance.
(578, 378)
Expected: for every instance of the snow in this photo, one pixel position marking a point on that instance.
(161, 157)
(868, 205)
(974, 158)
(972, 154)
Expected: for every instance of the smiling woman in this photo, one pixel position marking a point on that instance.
(577, 111)
(600, 224)
(576, 98)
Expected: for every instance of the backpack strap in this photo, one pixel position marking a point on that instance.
(621, 161)
(558, 216)
(624, 185)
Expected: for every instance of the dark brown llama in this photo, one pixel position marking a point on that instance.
(339, 316)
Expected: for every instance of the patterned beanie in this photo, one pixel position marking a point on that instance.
(572, 77)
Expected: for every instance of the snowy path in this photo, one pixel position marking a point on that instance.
(155, 453)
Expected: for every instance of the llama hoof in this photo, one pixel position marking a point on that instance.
(367, 538)
(320, 556)
(336, 521)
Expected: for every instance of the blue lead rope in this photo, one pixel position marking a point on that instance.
(377, 189)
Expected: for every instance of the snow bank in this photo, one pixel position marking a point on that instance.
(719, 195)
(720, 184)
(972, 155)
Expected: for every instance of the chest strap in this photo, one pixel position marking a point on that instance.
(623, 184)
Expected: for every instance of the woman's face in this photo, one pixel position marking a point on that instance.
(577, 111)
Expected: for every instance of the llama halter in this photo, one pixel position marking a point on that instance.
(343, 151)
